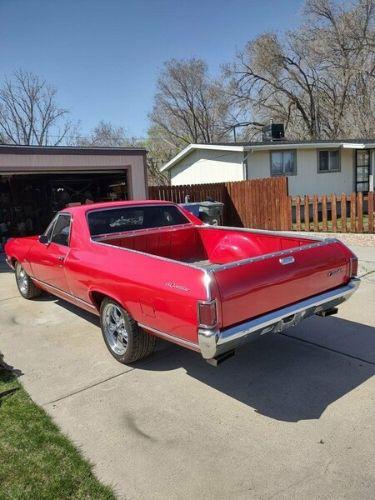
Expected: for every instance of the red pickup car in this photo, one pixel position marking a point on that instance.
(151, 269)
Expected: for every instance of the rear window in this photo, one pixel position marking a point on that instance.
(116, 220)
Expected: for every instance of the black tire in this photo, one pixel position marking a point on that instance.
(138, 344)
(25, 284)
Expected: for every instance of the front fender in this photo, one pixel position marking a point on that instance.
(17, 249)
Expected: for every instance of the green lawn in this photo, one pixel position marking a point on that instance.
(36, 460)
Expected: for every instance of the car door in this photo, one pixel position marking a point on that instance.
(47, 259)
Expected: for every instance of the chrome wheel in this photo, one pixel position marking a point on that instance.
(114, 328)
(22, 280)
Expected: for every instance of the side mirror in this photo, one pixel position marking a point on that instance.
(43, 239)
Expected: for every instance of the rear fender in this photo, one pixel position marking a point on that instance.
(98, 295)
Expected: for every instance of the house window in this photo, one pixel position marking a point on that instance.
(329, 161)
(283, 162)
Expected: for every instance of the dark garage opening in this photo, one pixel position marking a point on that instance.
(28, 202)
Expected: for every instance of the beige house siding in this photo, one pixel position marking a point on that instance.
(308, 180)
(203, 166)
(207, 166)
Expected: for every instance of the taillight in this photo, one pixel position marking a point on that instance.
(353, 267)
(207, 314)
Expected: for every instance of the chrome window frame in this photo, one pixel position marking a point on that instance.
(70, 228)
(134, 231)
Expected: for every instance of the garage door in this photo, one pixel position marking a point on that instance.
(28, 202)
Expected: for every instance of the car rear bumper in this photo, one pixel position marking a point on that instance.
(214, 342)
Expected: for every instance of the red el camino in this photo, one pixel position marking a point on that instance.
(151, 269)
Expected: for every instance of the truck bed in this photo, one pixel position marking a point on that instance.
(204, 246)
(255, 271)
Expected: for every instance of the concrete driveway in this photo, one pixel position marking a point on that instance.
(290, 416)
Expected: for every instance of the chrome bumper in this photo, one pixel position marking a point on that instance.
(213, 342)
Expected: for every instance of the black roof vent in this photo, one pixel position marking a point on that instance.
(273, 132)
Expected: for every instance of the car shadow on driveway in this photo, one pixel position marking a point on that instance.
(289, 377)
(281, 377)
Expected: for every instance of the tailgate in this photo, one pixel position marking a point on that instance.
(270, 282)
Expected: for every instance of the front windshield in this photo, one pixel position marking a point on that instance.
(116, 220)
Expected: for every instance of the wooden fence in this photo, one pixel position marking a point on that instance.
(259, 203)
(265, 204)
(352, 213)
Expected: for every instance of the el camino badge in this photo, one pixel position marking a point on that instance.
(171, 284)
(335, 271)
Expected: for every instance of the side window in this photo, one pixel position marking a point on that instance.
(48, 231)
(283, 162)
(329, 161)
(61, 231)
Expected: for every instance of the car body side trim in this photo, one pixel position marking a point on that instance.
(171, 338)
(61, 293)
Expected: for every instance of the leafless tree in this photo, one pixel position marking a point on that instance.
(29, 113)
(319, 79)
(105, 134)
(157, 155)
(188, 107)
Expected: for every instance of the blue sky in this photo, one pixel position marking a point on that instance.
(104, 55)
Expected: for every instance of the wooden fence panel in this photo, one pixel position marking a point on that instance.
(258, 203)
(343, 213)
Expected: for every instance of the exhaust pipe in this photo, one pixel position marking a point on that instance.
(328, 312)
(220, 359)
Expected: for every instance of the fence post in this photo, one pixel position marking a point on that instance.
(315, 213)
(324, 212)
(334, 212)
(343, 212)
(298, 213)
(307, 213)
(360, 212)
(352, 212)
(370, 210)
(290, 214)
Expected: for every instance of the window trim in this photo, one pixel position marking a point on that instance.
(51, 227)
(318, 151)
(284, 174)
(136, 231)
(70, 229)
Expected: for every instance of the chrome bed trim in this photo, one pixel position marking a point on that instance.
(140, 232)
(281, 253)
(268, 232)
(171, 338)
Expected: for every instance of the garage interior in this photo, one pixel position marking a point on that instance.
(30, 197)
(28, 202)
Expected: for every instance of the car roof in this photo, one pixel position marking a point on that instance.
(112, 204)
